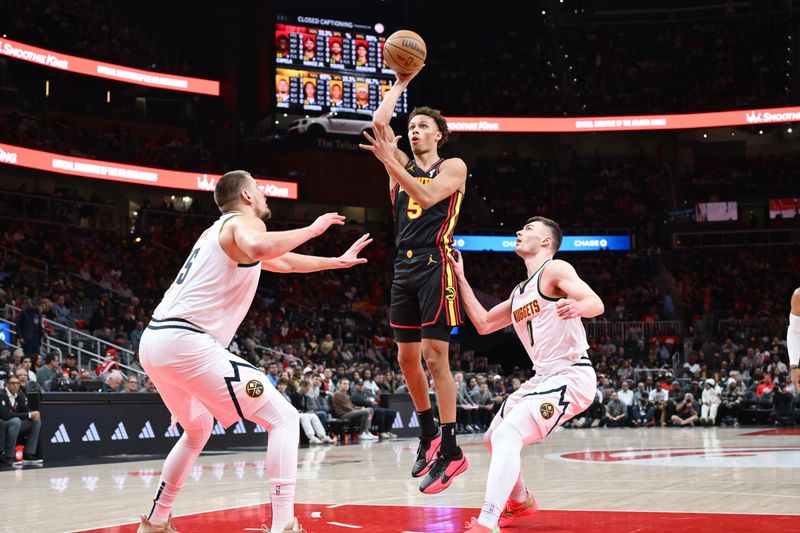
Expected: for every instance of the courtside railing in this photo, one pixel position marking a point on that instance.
(64, 338)
(627, 330)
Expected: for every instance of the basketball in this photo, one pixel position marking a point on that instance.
(404, 52)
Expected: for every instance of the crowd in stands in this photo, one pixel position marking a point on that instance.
(118, 143)
(87, 28)
(580, 63)
(328, 326)
(754, 178)
(598, 192)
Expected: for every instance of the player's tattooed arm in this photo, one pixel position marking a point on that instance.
(495, 319)
(299, 263)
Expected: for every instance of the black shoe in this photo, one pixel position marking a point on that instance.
(442, 472)
(5, 461)
(426, 454)
(32, 459)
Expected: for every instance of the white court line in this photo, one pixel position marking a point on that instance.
(345, 525)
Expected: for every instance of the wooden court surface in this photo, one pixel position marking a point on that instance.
(619, 480)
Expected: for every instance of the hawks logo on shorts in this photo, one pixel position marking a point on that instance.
(547, 410)
(254, 388)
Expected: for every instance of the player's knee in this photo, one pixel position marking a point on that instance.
(198, 431)
(409, 362)
(292, 416)
(487, 440)
(506, 436)
(438, 365)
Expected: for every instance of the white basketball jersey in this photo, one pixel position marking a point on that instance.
(551, 342)
(211, 291)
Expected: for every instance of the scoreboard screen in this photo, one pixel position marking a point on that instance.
(326, 64)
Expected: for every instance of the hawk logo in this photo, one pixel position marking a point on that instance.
(254, 388)
(547, 410)
(450, 293)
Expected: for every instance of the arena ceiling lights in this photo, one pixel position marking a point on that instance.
(105, 170)
(99, 69)
(743, 117)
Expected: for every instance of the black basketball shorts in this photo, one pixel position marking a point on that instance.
(425, 300)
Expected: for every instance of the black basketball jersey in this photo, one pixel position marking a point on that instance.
(422, 228)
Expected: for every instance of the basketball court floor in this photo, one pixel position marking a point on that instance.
(615, 480)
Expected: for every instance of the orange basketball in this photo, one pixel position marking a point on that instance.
(404, 52)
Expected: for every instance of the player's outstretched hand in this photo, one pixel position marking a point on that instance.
(406, 78)
(350, 257)
(383, 145)
(325, 221)
(567, 308)
(457, 262)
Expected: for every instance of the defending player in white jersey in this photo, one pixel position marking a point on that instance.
(184, 350)
(793, 340)
(546, 312)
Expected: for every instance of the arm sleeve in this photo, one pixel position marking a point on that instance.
(793, 339)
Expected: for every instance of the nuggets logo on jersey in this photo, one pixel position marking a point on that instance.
(547, 410)
(254, 388)
(527, 310)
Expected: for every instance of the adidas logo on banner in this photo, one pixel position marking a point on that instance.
(119, 433)
(414, 422)
(91, 434)
(172, 432)
(259, 429)
(239, 429)
(398, 422)
(60, 436)
(218, 429)
(147, 431)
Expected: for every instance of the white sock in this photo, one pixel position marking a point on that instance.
(283, 424)
(490, 515)
(178, 464)
(504, 472)
(281, 498)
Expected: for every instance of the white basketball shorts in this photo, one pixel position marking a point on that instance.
(194, 374)
(546, 401)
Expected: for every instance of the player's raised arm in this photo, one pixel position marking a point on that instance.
(497, 318)
(580, 301)
(299, 263)
(251, 236)
(383, 115)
